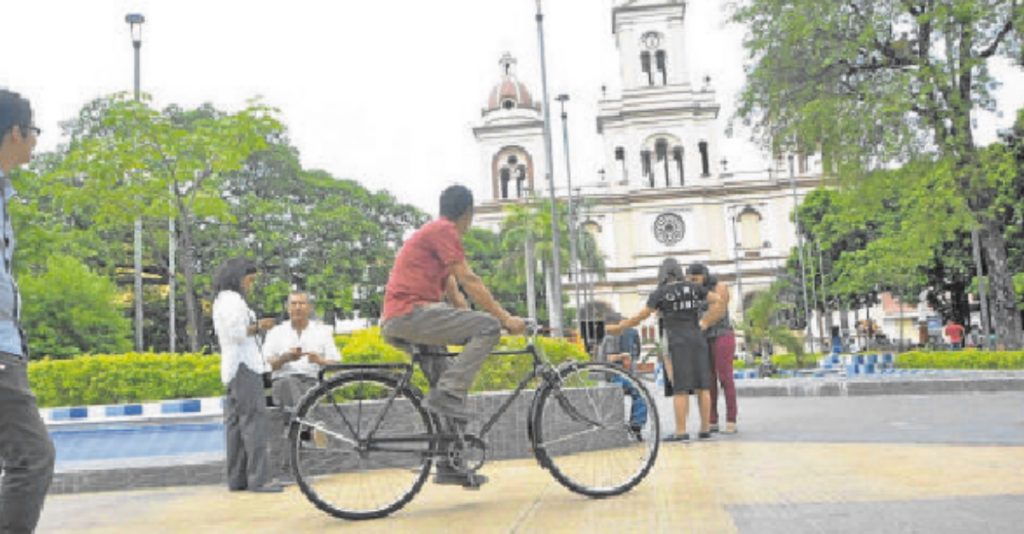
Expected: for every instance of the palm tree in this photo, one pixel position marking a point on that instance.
(762, 328)
(533, 220)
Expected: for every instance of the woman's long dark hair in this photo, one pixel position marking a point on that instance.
(670, 271)
(229, 276)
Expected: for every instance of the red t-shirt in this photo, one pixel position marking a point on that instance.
(422, 267)
(954, 332)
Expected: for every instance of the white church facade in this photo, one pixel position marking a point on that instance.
(666, 189)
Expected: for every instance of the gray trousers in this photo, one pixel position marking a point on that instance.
(26, 450)
(245, 428)
(441, 324)
(289, 389)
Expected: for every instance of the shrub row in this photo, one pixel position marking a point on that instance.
(124, 378)
(965, 359)
(137, 377)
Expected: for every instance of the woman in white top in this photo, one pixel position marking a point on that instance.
(241, 369)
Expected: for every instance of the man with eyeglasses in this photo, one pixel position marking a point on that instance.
(26, 450)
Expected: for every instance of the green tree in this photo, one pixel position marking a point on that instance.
(69, 310)
(762, 325)
(332, 237)
(127, 159)
(236, 187)
(878, 83)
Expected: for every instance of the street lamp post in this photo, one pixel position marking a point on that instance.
(573, 231)
(555, 313)
(135, 21)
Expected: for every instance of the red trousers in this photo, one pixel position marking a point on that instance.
(723, 350)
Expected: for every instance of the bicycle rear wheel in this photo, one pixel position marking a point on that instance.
(355, 455)
(597, 432)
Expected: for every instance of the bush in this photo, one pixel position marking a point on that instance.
(498, 372)
(966, 359)
(505, 372)
(788, 361)
(133, 377)
(69, 310)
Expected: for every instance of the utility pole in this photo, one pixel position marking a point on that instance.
(555, 313)
(800, 249)
(573, 230)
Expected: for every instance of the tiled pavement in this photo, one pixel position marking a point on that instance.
(727, 485)
(914, 463)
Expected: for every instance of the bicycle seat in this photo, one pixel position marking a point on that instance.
(417, 350)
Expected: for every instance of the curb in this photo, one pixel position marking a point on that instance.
(892, 386)
(131, 478)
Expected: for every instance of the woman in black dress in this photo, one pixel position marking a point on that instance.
(679, 303)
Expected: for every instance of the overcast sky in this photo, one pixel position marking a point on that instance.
(384, 92)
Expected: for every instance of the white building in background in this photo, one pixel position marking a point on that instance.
(667, 189)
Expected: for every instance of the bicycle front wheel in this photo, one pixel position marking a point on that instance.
(361, 445)
(597, 430)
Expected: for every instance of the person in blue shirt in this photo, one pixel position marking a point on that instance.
(619, 350)
(26, 450)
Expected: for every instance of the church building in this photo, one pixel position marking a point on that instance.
(666, 188)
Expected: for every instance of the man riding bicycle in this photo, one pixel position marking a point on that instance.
(430, 267)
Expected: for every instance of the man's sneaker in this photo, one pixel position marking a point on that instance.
(272, 487)
(636, 431)
(730, 428)
(713, 428)
(446, 404)
(447, 476)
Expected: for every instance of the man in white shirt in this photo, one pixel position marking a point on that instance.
(296, 351)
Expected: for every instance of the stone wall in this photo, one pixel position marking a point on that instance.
(506, 439)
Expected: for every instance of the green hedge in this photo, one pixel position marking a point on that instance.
(965, 359)
(134, 377)
(122, 378)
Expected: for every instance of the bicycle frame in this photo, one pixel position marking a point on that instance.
(542, 369)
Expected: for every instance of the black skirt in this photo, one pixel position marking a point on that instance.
(688, 348)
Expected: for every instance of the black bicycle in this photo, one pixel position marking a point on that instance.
(362, 445)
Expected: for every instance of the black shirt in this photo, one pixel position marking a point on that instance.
(678, 301)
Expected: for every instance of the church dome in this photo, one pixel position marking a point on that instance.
(509, 93)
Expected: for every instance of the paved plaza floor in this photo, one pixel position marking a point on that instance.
(940, 463)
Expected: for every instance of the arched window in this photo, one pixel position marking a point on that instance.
(645, 66)
(661, 153)
(520, 180)
(505, 176)
(511, 164)
(705, 159)
(645, 167)
(750, 229)
(677, 156)
(620, 156)
(659, 58)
